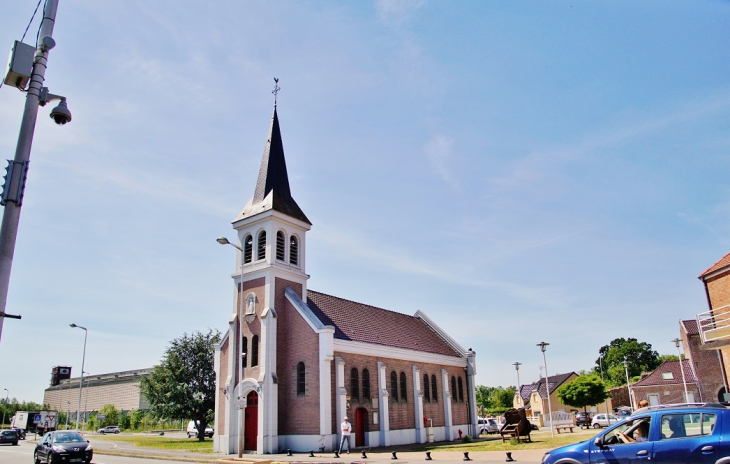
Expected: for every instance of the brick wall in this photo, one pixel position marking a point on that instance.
(123, 395)
(258, 287)
(718, 290)
(400, 412)
(296, 342)
(706, 365)
(668, 394)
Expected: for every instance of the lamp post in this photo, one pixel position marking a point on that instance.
(83, 361)
(225, 241)
(68, 412)
(600, 364)
(517, 368)
(628, 383)
(677, 341)
(542, 346)
(7, 396)
(86, 399)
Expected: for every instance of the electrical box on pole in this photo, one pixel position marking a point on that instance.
(20, 65)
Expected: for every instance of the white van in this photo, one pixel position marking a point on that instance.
(193, 431)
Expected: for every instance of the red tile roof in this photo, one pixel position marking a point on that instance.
(690, 326)
(724, 261)
(364, 323)
(656, 378)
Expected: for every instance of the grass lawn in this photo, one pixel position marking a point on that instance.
(162, 442)
(540, 440)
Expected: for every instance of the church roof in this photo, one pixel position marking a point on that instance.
(723, 262)
(272, 188)
(368, 324)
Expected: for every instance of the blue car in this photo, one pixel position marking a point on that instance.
(692, 433)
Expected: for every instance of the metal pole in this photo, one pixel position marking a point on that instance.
(542, 346)
(11, 213)
(517, 368)
(86, 401)
(600, 364)
(7, 395)
(81, 382)
(681, 368)
(628, 383)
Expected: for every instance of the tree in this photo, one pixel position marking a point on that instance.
(639, 355)
(586, 390)
(111, 415)
(182, 386)
(668, 357)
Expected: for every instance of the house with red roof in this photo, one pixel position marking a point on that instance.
(294, 362)
(666, 383)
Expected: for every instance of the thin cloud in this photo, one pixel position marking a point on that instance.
(440, 153)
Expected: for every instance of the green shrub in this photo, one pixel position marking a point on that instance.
(467, 439)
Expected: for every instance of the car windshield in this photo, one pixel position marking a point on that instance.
(8, 432)
(68, 437)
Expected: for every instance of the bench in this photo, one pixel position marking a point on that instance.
(564, 427)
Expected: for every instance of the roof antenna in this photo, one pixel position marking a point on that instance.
(276, 89)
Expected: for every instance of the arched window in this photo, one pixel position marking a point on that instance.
(403, 387)
(261, 250)
(453, 388)
(280, 243)
(434, 389)
(365, 384)
(293, 251)
(426, 390)
(255, 351)
(461, 390)
(300, 379)
(354, 383)
(244, 352)
(394, 386)
(247, 249)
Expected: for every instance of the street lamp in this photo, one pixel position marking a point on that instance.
(677, 341)
(225, 241)
(542, 346)
(628, 383)
(83, 361)
(7, 395)
(517, 368)
(600, 364)
(86, 399)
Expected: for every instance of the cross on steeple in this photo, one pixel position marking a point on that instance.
(276, 89)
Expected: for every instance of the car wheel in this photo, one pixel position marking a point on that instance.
(596, 426)
(15, 443)
(35, 458)
(116, 431)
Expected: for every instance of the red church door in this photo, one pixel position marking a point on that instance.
(361, 426)
(251, 424)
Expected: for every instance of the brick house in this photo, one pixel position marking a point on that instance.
(706, 364)
(664, 385)
(713, 326)
(294, 362)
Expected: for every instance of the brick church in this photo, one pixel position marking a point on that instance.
(294, 362)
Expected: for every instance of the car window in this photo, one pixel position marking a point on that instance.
(687, 425)
(630, 431)
(68, 437)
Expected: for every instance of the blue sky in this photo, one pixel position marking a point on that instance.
(520, 171)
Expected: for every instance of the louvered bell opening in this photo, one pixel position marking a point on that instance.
(294, 251)
(261, 253)
(280, 242)
(247, 249)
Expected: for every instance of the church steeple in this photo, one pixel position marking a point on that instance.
(272, 188)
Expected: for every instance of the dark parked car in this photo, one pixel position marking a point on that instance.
(63, 446)
(19, 431)
(583, 419)
(669, 433)
(9, 436)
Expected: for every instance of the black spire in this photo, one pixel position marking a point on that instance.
(272, 187)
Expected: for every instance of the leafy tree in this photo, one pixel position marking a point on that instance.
(135, 419)
(111, 415)
(669, 357)
(586, 390)
(182, 386)
(124, 421)
(639, 355)
(494, 400)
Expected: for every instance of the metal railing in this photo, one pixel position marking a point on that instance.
(714, 325)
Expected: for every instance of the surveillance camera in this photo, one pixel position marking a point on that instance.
(60, 114)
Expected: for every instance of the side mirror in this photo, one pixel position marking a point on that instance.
(598, 441)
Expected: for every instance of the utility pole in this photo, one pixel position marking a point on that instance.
(16, 175)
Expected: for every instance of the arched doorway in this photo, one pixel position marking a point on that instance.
(361, 426)
(251, 421)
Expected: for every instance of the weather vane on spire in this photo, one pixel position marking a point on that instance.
(276, 89)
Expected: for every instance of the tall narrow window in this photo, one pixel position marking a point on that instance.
(461, 390)
(300, 379)
(247, 249)
(434, 389)
(403, 387)
(280, 243)
(293, 251)
(394, 386)
(261, 250)
(426, 390)
(244, 352)
(354, 384)
(365, 384)
(255, 351)
(453, 388)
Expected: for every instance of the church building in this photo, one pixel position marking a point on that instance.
(294, 362)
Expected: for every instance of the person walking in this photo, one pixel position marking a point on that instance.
(345, 428)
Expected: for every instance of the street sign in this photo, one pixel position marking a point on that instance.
(101, 417)
(36, 418)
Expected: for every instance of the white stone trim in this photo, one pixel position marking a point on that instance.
(326, 356)
(381, 351)
(446, 337)
(446, 393)
(418, 405)
(383, 396)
